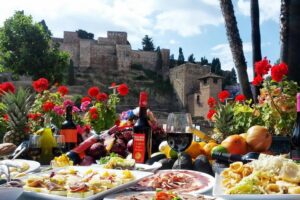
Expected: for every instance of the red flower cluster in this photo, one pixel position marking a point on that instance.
(102, 97)
(113, 84)
(210, 114)
(86, 99)
(34, 116)
(123, 89)
(40, 85)
(211, 102)
(240, 98)
(257, 80)
(6, 117)
(93, 113)
(278, 71)
(262, 67)
(223, 95)
(63, 90)
(48, 106)
(93, 91)
(7, 87)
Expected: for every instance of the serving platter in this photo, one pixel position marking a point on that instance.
(218, 191)
(142, 167)
(137, 174)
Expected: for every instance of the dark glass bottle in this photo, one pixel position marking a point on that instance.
(295, 140)
(69, 131)
(229, 158)
(142, 135)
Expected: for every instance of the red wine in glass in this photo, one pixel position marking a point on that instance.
(179, 142)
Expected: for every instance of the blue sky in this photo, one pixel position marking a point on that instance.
(195, 25)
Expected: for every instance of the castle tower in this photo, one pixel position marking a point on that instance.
(165, 55)
(210, 86)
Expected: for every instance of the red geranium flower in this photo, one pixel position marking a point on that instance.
(113, 84)
(211, 102)
(262, 67)
(240, 98)
(7, 87)
(278, 71)
(93, 91)
(48, 106)
(102, 97)
(40, 85)
(210, 114)
(257, 80)
(93, 110)
(5, 117)
(34, 116)
(63, 90)
(94, 116)
(86, 99)
(123, 89)
(223, 95)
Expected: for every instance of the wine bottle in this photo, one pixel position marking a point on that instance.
(69, 130)
(78, 153)
(229, 158)
(295, 152)
(142, 135)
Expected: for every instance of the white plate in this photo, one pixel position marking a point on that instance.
(138, 176)
(218, 191)
(143, 167)
(206, 188)
(33, 165)
(113, 196)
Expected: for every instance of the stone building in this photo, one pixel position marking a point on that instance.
(111, 52)
(194, 84)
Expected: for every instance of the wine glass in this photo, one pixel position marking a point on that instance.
(59, 148)
(179, 135)
(34, 149)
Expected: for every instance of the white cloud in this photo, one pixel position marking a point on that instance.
(173, 42)
(212, 2)
(269, 9)
(223, 52)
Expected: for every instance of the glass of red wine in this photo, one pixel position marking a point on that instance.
(179, 135)
(34, 149)
(59, 148)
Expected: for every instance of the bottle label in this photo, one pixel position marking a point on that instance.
(139, 147)
(70, 135)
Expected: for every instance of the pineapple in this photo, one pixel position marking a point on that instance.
(224, 124)
(17, 108)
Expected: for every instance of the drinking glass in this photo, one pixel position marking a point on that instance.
(60, 145)
(179, 135)
(34, 149)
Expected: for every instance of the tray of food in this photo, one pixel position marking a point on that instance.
(269, 177)
(80, 182)
(179, 181)
(20, 167)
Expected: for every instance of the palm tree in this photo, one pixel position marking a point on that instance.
(236, 46)
(284, 30)
(293, 58)
(256, 50)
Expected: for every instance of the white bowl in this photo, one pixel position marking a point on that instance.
(10, 193)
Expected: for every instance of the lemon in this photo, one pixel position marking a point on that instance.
(163, 146)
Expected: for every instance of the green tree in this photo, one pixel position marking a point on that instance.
(172, 61)
(180, 59)
(147, 43)
(191, 58)
(71, 73)
(159, 61)
(216, 66)
(233, 76)
(84, 34)
(203, 61)
(25, 49)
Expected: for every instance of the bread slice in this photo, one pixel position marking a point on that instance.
(36, 189)
(80, 194)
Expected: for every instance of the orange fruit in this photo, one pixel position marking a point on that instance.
(195, 150)
(208, 147)
(235, 144)
(202, 143)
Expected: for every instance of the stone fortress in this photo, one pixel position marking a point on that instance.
(193, 84)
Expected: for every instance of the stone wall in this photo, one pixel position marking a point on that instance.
(146, 58)
(123, 57)
(119, 37)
